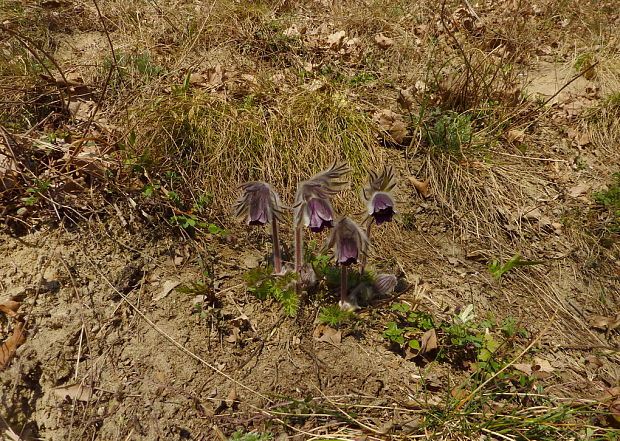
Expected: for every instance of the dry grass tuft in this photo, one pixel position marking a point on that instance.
(216, 144)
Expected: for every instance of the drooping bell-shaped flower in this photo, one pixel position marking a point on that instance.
(312, 202)
(384, 284)
(377, 195)
(259, 203)
(348, 241)
(381, 208)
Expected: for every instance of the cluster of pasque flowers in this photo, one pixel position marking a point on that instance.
(259, 204)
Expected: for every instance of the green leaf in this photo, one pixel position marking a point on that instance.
(401, 307)
(214, 229)
(393, 333)
(498, 270)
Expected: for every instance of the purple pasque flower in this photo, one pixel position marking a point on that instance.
(313, 206)
(258, 203)
(381, 208)
(385, 284)
(377, 194)
(348, 241)
(318, 214)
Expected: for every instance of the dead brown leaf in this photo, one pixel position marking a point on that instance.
(52, 4)
(335, 40)
(10, 308)
(292, 32)
(234, 337)
(327, 335)
(526, 368)
(196, 79)
(583, 139)
(75, 391)
(614, 406)
(315, 85)
(383, 42)
(10, 345)
(81, 109)
(541, 368)
(216, 76)
(459, 393)
(614, 410)
(534, 214)
(169, 285)
(593, 361)
(391, 125)
(428, 342)
(578, 190)
(8, 167)
(406, 97)
(515, 135)
(605, 323)
(422, 187)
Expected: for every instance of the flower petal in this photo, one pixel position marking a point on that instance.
(320, 214)
(381, 207)
(347, 251)
(384, 284)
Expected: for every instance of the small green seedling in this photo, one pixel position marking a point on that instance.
(497, 269)
(264, 284)
(394, 333)
(333, 316)
(36, 191)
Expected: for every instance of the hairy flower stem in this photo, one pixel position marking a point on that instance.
(277, 257)
(343, 285)
(299, 232)
(363, 261)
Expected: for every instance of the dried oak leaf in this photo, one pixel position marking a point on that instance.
(327, 335)
(526, 368)
(10, 345)
(613, 418)
(10, 308)
(605, 323)
(391, 125)
(196, 79)
(422, 187)
(232, 399)
(335, 40)
(292, 32)
(406, 97)
(383, 42)
(541, 368)
(169, 285)
(578, 190)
